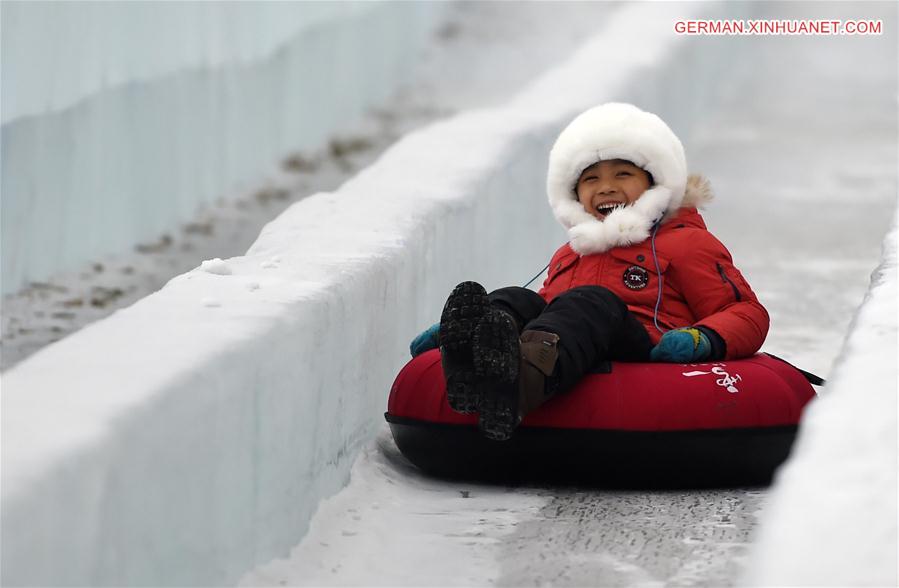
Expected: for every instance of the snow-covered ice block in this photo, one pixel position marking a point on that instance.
(831, 519)
(171, 106)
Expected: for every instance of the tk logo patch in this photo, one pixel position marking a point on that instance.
(636, 277)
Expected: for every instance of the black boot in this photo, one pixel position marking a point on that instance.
(465, 307)
(513, 371)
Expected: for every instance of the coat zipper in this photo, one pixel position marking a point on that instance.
(727, 280)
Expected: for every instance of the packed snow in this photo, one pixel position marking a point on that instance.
(198, 442)
(216, 266)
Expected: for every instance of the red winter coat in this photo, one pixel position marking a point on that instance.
(700, 285)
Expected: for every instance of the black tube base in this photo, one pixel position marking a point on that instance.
(605, 458)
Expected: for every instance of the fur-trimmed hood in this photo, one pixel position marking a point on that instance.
(620, 131)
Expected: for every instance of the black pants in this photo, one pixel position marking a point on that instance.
(592, 323)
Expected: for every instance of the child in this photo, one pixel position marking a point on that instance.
(641, 279)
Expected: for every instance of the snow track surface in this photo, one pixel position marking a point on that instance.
(392, 526)
(453, 533)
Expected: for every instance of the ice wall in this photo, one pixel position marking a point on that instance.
(190, 437)
(121, 118)
(831, 520)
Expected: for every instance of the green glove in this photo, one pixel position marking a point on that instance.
(684, 345)
(426, 341)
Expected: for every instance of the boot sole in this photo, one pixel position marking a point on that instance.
(464, 308)
(496, 359)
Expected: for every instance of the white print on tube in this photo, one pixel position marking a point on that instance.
(725, 381)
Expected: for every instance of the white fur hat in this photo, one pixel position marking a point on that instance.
(616, 131)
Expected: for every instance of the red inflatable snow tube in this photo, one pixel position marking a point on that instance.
(644, 424)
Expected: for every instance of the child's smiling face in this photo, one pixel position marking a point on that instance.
(605, 185)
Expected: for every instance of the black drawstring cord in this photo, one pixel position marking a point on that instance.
(537, 276)
(655, 314)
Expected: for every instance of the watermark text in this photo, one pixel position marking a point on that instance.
(778, 27)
